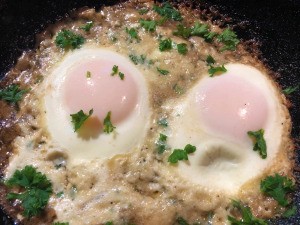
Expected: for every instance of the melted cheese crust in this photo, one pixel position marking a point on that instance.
(138, 187)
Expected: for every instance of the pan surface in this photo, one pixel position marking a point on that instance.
(272, 23)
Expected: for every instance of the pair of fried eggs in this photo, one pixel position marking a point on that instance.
(214, 116)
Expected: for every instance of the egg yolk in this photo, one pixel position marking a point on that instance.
(91, 85)
(230, 105)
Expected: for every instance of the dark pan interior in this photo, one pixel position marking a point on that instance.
(273, 23)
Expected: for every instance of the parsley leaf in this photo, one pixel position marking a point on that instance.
(218, 69)
(79, 118)
(143, 11)
(168, 11)
(67, 39)
(163, 122)
(37, 190)
(148, 25)
(259, 142)
(109, 223)
(12, 93)
(210, 36)
(199, 29)
(87, 27)
(247, 216)
(181, 154)
(115, 70)
(229, 39)
(132, 33)
(181, 221)
(210, 60)
(182, 48)
(161, 143)
(162, 72)
(140, 59)
(290, 90)
(277, 187)
(290, 212)
(60, 223)
(165, 44)
(108, 126)
(183, 31)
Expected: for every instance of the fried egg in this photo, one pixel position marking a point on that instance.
(215, 116)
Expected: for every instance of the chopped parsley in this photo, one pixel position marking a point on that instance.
(259, 142)
(210, 60)
(229, 39)
(182, 48)
(148, 25)
(115, 70)
(60, 194)
(162, 72)
(178, 89)
(109, 223)
(165, 44)
(87, 27)
(181, 221)
(143, 11)
(163, 122)
(67, 39)
(277, 187)
(290, 212)
(60, 223)
(183, 31)
(216, 70)
(161, 143)
(181, 154)
(247, 216)
(12, 93)
(209, 37)
(132, 33)
(168, 11)
(108, 126)
(199, 29)
(79, 118)
(290, 90)
(37, 190)
(139, 59)
(88, 74)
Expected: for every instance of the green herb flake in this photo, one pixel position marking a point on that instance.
(108, 126)
(143, 11)
(139, 59)
(216, 70)
(181, 154)
(88, 74)
(121, 75)
(79, 118)
(161, 143)
(210, 60)
(163, 122)
(115, 70)
(290, 90)
(247, 216)
(178, 89)
(277, 187)
(61, 223)
(181, 221)
(132, 33)
(229, 39)
(60, 194)
(182, 31)
(182, 48)
(87, 27)
(165, 44)
(168, 11)
(109, 223)
(67, 39)
(290, 212)
(37, 190)
(148, 25)
(162, 72)
(199, 29)
(12, 93)
(209, 37)
(259, 142)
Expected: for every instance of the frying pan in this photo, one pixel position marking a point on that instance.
(274, 24)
